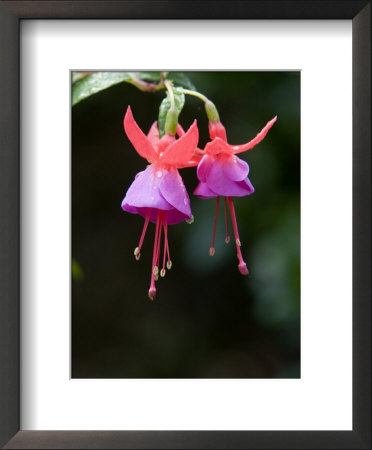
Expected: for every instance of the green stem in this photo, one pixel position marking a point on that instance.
(163, 76)
(196, 94)
(210, 107)
(169, 87)
(145, 86)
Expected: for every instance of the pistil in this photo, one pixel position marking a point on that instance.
(137, 250)
(227, 239)
(242, 265)
(155, 257)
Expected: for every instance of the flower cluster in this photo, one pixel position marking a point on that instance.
(159, 194)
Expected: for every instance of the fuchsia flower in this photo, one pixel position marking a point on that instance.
(158, 193)
(222, 173)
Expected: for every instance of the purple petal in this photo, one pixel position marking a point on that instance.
(202, 190)
(219, 183)
(235, 168)
(144, 192)
(203, 167)
(247, 186)
(174, 191)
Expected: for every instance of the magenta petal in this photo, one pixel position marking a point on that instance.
(153, 135)
(144, 192)
(174, 191)
(261, 135)
(173, 215)
(219, 183)
(138, 139)
(180, 151)
(235, 168)
(202, 190)
(218, 146)
(142, 211)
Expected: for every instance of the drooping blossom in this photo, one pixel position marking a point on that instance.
(158, 193)
(222, 173)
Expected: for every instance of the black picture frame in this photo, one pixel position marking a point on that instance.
(11, 13)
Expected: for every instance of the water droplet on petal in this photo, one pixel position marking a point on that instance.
(185, 201)
(236, 147)
(159, 173)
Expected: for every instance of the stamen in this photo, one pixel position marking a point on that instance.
(165, 227)
(137, 250)
(152, 290)
(212, 250)
(242, 265)
(166, 244)
(227, 239)
(156, 268)
(137, 253)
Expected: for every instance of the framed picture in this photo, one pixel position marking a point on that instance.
(217, 362)
(238, 346)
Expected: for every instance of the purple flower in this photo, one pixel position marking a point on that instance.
(158, 193)
(222, 173)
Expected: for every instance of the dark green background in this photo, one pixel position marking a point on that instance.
(207, 320)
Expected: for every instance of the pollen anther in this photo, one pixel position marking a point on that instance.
(227, 239)
(169, 265)
(212, 251)
(162, 273)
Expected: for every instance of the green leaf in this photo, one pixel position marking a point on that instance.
(153, 77)
(179, 100)
(85, 84)
(179, 78)
(77, 76)
(95, 83)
